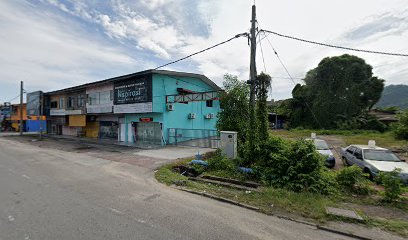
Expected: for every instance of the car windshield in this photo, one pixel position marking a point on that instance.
(380, 155)
(321, 145)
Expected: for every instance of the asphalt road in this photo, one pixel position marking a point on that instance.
(52, 194)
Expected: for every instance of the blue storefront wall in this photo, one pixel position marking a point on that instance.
(178, 118)
(163, 85)
(34, 126)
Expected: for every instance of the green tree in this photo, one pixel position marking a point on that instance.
(264, 83)
(235, 107)
(340, 87)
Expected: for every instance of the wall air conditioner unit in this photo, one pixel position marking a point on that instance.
(191, 115)
(209, 116)
(170, 107)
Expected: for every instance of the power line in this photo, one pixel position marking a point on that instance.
(193, 54)
(262, 54)
(178, 79)
(334, 46)
(291, 78)
(299, 78)
(14, 98)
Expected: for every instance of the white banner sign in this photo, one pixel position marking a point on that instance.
(99, 109)
(133, 108)
(63, 112)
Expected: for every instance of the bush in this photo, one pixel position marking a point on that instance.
(349, 176)
(294, 165)
(353, 179)
(401, 128)
(393, 185)
(220, 162)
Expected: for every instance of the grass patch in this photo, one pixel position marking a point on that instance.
(397, 226)
(303, 133)
(168, 177)
(386, 139)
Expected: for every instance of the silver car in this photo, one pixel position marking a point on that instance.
(373, 160)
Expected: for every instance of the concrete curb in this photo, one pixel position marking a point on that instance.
(320, 227)
(342, 233)
(226, 200)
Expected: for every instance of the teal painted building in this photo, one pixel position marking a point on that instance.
(157, 107)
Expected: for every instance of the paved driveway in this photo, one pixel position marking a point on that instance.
(147, 158)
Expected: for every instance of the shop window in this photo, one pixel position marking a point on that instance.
(209, 103)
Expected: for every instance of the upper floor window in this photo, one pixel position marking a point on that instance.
(62, 102)
(209, 103)
(71, 102)
(93, 98)
(54, 104)
(81, 100)
(104, 97)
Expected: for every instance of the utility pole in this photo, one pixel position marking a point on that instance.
(252, 81)
(21, 108)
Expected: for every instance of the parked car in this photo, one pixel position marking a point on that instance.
(323, 148)
(373, 160)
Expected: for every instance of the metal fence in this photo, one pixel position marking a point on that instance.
(205, 138)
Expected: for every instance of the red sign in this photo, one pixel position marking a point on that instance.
(146, 119)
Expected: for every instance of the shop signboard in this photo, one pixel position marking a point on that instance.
(34, 103)
(134, 90)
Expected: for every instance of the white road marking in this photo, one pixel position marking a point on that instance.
(116, 211)
(25, 176)
(11, 218)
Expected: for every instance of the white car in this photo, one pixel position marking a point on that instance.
(373, 160)
(323, 148)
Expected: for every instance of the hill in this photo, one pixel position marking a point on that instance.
(394, 95)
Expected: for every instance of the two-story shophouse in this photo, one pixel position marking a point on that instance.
(67, 114)
(153, 107)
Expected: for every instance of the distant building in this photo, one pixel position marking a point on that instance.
(384, 116)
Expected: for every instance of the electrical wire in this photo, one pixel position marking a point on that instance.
(335, 46)
(262, 54)
(193, 54)
(299, 78)
(178, 79)
(14, 98)
(291, 78)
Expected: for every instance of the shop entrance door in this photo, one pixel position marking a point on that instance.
(148, 134)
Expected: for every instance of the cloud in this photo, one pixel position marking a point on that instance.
(49, 52)
(379, 26)
(73, 40)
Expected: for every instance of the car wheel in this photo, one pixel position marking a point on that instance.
(346, 163)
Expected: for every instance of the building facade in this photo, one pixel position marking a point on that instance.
(152, 107)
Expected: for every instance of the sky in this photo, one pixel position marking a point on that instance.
(51, 44)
